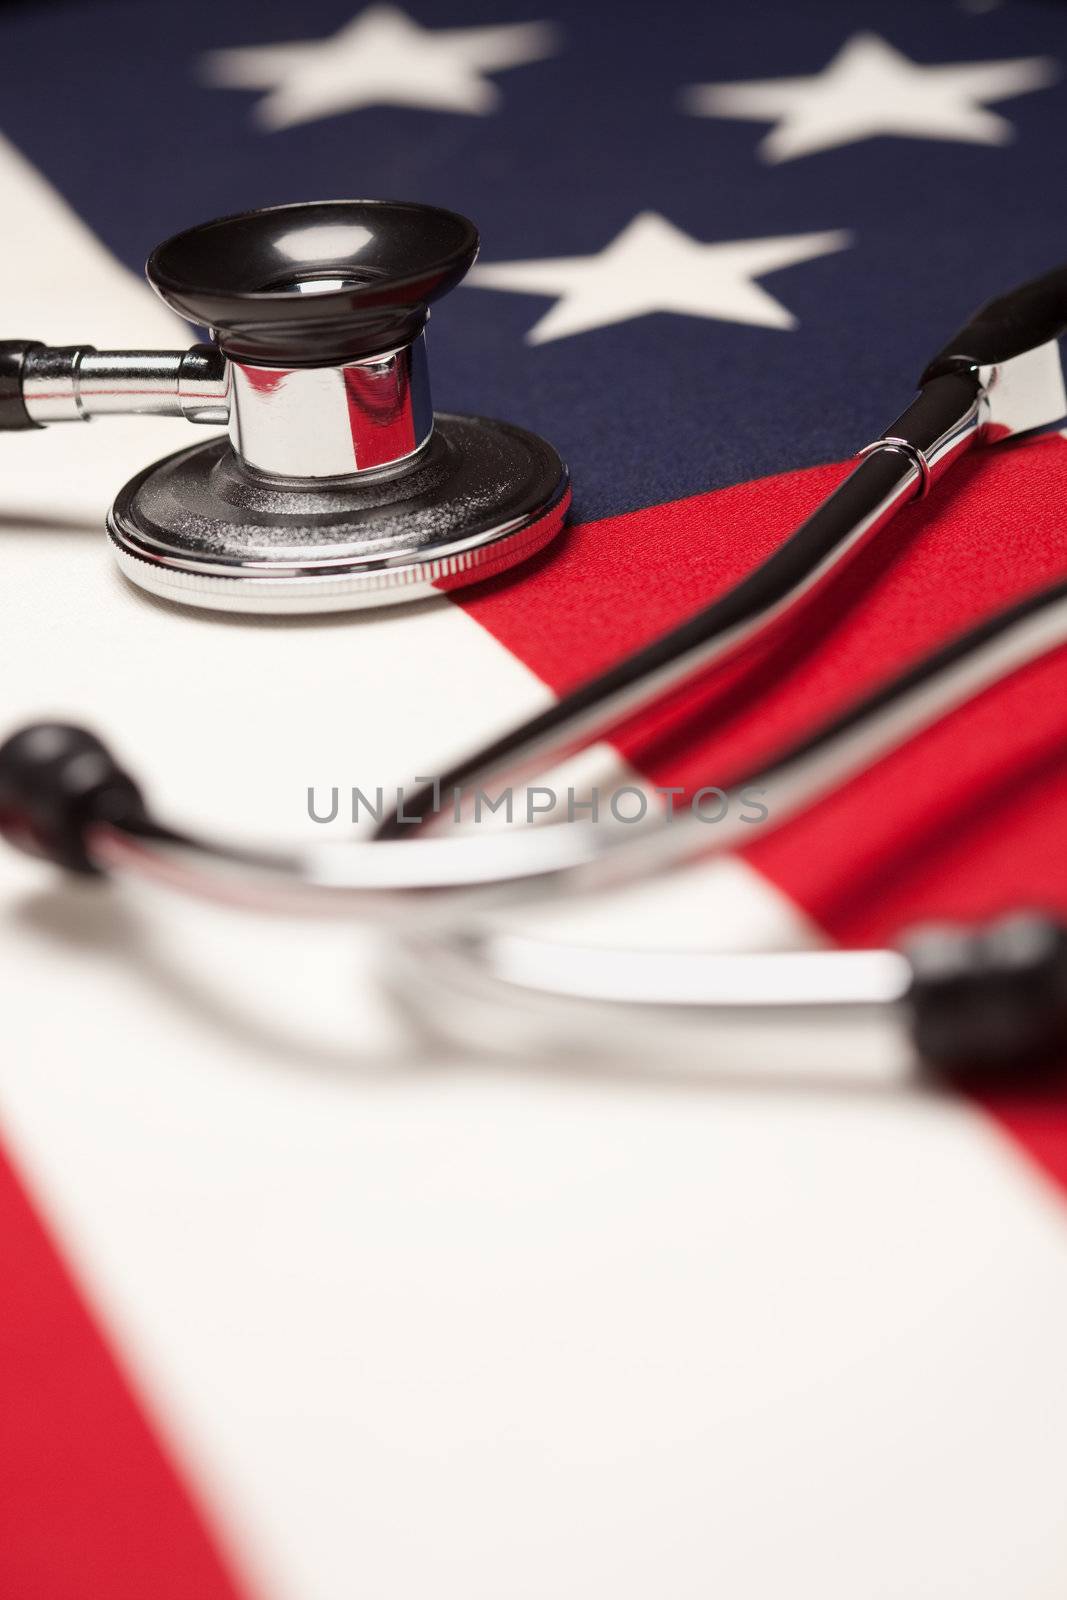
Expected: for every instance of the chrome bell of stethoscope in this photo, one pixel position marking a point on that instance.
(337, 487)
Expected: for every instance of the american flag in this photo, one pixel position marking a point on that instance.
(302, 1300)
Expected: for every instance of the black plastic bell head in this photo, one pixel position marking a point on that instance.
(312, 284)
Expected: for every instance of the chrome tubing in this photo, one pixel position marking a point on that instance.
(79, 383)
(441, 881)
(306, 423)
(961, 403)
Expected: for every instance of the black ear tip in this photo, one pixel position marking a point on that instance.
(1030, 315)
(993, 998)
(56, 781)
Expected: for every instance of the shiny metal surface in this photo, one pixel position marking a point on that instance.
(334, 492)
(445, 880)
(944, 420)
(953, 411)
(911, 453)
(536, 748)
(284, 422)
(499, 995)
(332, 422)
(1023, 394)
(331, 493)
(199, 529)
(435, 902)
(80, 383)
(306, 590)
(435, 881)
(709, 979)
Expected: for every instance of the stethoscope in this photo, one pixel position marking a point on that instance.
(337, 486)
(318, 314)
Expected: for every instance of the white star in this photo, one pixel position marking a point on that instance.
(653, 266)
(869, 89)
(380, 58)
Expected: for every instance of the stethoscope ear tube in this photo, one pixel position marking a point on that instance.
(1028, 316)
(974, 1001)
(963, 400)
(942, 417)
(64, 796)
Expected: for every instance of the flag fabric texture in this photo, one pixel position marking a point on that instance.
(719, 244)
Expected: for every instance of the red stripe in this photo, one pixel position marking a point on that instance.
(89, 1504)
(969, 818)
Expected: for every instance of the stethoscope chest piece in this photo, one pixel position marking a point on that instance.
(336, 487)
(197, 528)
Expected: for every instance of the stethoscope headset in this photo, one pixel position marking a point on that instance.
(337, 487)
